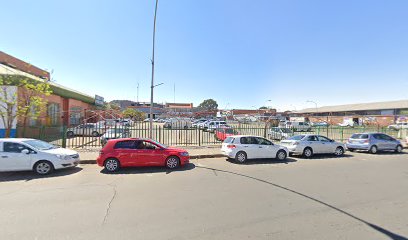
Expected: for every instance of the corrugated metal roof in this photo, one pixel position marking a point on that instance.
(57, 88)
(401, 104)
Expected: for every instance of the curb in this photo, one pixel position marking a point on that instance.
(191, 157)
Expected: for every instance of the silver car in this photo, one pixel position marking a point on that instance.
(278, 133)
(307, 145)
(373, 142)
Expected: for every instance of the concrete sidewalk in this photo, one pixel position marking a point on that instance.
(89, 156)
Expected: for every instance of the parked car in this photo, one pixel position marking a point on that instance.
(398, 126)
(135, 152)
(202, 125)
(297, 126)
(212, 125)
(24, 154)
(319, 124)
(307, 145)
(373, 142)
(278, 133)
(241, 148)
(197, 122)
(222, 133)
(178, 123)
(87, 129)
(115, 133)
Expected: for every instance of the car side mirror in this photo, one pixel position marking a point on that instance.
(25, 151)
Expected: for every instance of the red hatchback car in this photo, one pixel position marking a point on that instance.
(222, 133)
(135, 152)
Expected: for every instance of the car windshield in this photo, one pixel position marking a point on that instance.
(230, 131)
(40, 145)
(297, 138)
(359, 136)
(286, 130)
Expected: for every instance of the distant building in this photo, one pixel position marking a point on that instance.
(376, 113)
(179, 109)
(65, 106)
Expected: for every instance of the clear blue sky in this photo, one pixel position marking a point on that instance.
(241, 52)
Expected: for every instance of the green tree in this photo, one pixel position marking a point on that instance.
(29, 102)
(209, 104)
(262, 108)
(133, 114)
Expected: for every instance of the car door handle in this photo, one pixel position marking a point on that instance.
(260, 147)
(245, 146)
(4, 156)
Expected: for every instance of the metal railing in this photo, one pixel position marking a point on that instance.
(95, 137)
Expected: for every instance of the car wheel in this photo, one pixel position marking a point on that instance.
(373, 149)
(241, 157)
(339, 151)
(172, 162)
(43, 167)
(399, 149)
(112, 165)
(70, 134)
(95, 134)
(281, 155)
(308, 152)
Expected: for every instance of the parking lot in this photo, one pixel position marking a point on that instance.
(358, 196)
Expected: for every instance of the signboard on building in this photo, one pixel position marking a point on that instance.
(297, 119)
(99, 101)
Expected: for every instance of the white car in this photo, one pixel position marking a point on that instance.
(24, 154)
(243, 147)
(87, 129)
(398, 126)
(308, 145)
(212, 125)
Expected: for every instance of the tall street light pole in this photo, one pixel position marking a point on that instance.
(152, 84)
(314, 103)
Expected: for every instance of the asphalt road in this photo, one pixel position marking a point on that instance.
(359, 196)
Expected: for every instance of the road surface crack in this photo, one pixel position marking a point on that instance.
(110, 204)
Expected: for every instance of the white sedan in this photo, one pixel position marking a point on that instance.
(308, 145)
(23, 154)
(242, 148)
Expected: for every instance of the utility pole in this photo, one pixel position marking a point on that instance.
(152, 84)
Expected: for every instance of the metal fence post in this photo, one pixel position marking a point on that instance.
(64, 136)
(199, 137)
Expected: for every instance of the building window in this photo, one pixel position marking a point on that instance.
(53, 113)
(75, 114)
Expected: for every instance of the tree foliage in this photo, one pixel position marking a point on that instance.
(209, 104)
(133, 114)
(29, 102)
(261, 108)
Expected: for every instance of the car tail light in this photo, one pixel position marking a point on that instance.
(365, 141)
(231, 146)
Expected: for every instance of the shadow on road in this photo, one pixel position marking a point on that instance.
(28, 176)
(263, 161)
(323, 156)
(386, 232)
(143, 170)
(383, 153)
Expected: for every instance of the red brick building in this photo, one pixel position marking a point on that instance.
(65, 106)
